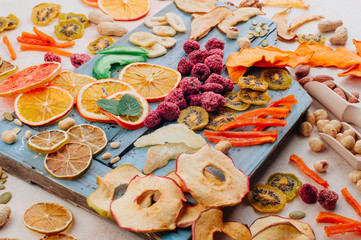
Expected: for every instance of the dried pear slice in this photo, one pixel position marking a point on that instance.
(142, 39)
(194, 117)
(283, 30)
(254, 97)
(237, 16)
(164, 31)
(79, 17)
(277, 79)
(283, 230)
(100, 44)
(288, 183)
(44, 13)
(196, 6)
(220, 117)
(176, 22)
(251, 82)
(167, 42)
(266, 199)
(69, 30)
(4, 23)
(234, 102)
(201, 25)
(302, 19)
(155, 51)
(155, 21)
(311, 38)
(6, 69)
(13, 22)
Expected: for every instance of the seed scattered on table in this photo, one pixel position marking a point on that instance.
(114, 160)
(28, 134)
(5, 197)
(18, 122)
(106, 155)
(8, 116)
(297, 214)
(16, 130)
(114, 145)
(2, 186)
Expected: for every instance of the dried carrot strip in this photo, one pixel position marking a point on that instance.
(329, 217)
(43, 36)
(34, 41)
(342, 228)
(276, 111)
(250, 122)
(243, 142)
(309, 172)
(10, 47)
(63, 44)
(29, 35)
(45, 49)
(352, 201)
(290, 99)
(239, 134)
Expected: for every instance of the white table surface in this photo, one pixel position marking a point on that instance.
(90, 226)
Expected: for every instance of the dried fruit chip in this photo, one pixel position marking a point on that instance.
(69, 29)
(44, 13)
(254, 97)
(100, 44)
(48, 141)
(266, 199)
(194, 117)
(6, 69)
(302, 19)
(218, 118)
(311, 38)
(280, 231)
(189, 215)
(251, 82)
(288, 183)
(277, 79)
(13, 22)
(142, 39)
(4, 23)
(79, 17)
(234, 102)
(196, 6)
(285, 3)
(176, 22)
(283, 30)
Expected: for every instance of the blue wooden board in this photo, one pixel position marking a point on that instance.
(29, 165)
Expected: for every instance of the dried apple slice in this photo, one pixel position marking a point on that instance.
(160, 216)
(159, 155)
(201, 25)
(264, 222)
(180, 183)
(282, 25)
(173, 133)
(191, 168)
(195, 6)
(189, 214)
(302, 19)
(101, 198)
(237, 16)
(283, 230)
(236, 230)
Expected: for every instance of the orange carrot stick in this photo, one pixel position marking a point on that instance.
(352, 201)
(29, 35)
(250, 122)
(240, 134)
(276, 111)
(10, 47)
(342, 228)
(45, 49)
(242, 142)
(329, 217)
(63, 44)
(43, 36)
(301, 164)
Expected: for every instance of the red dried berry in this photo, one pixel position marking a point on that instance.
(212, 101)
(168, 111)
(51, 57)
(152, 119)
(214, 63)
(176, 96)
(198, 56)
(201, 71)
(185, 67)
(327, 198)
(214, 43)
(308, 193)
(190, 46)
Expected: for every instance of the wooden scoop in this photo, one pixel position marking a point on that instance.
(341, 150)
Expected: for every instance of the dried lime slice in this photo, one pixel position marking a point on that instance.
(48, 141)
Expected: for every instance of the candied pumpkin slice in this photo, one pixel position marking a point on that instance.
(251, 82)
(254, 97)
(160, 216)
(284, 230)
(190, 168)
(288, 183)
(266, 199)
(101, 198)
(277, 79)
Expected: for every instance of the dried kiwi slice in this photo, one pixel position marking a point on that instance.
(277, 79)
(234, 102)
(254, 97)
(100, 44)
(79, 17)
(220, 117)
(4, 22)
(251, 82)
(13, 22)
(288, 183)
(44, 13)
(69, 30)
(194, 117)
(266, 199)
(311, 38)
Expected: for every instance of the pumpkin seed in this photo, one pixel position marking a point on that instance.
(5, 197)
(263, 33)
(249, 36)
(297, 214)
(265, 43)
(3, 175)
(8, 116)
(16, 130)
(2, 186)
(252, 27)
(256, 34)
(254, 22)
(258, 29)
(3, 180)
(265, 27)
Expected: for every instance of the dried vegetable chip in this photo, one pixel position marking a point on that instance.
(285, 3)
(302, 19)
(283, 30)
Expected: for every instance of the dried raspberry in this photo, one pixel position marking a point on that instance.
(152, 119)
(168, 111)
(201, 71)
(198, 56)
(225, 82)
(214, 43)
(214, 63)
(195, 99)
(308, 193)
(190, 46)
(176, 96)
(78, 59)
(212, 87)
(185, 67)
(212, 101)
(190, 85)
(51, 57)
(216, 51)
(327, 199)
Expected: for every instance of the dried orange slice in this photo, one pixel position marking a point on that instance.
(93, 3)
(47, 218)
(89, 134)
(29, 78)
(125, 10)
(152, 81)
(60, 236)
(48, 141)
(69, 162)
(129, 122)
(91, 92)
(71, 81)
(43, 105)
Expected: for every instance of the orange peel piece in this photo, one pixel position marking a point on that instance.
(302, 19)
(285, 3)
(283, 30)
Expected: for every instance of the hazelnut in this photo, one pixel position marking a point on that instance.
(354, 176)
(310, 117)
(339, 136)
(329, 130)
(315, 144)
(320, 165)
(321, 124)
(358, 185)
(357, 147)
(305, 129)
(349, 132)
(336, 124)
(348, 142)
(320, 114)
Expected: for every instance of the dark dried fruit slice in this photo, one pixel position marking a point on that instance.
(266, 199)
(254, 97)
(100, 44)
(288, 183)
(13, 22)
(69, 30)
(194, 117)
(311, 38)
(218, 118)
(251, 82)
(44, 13)
(79, 17)
(4, 22)
(277, 79)
(234, 102)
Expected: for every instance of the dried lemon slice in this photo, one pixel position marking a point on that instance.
(48, 141)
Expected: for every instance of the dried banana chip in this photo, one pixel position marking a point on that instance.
(195, 15)
(282, 25)
(201, 25)
(176, 22)
(142, 39)
(302, 19)
(237, 16)
(155, 21)
(196, 6)
(155, 51)
(164, 31)
(167, 42)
